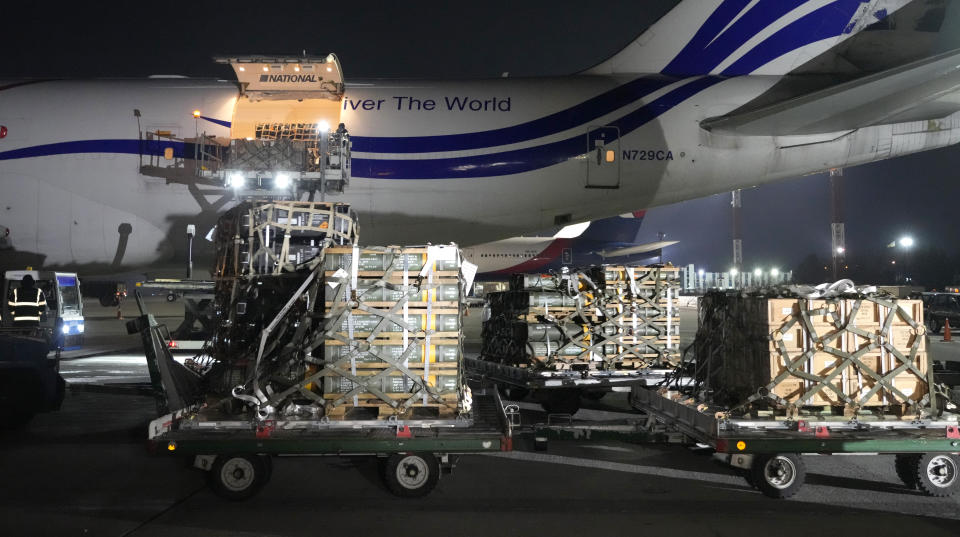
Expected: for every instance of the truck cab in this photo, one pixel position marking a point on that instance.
(62, 324)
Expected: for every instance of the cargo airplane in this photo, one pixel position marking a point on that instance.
(712, 96)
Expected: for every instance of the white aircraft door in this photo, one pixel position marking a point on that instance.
(603, 157)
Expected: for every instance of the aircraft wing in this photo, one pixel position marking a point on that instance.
(638, 249)
(922, 90)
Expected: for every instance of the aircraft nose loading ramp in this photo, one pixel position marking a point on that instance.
(286, 138)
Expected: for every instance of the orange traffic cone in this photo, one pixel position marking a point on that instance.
(946, 330)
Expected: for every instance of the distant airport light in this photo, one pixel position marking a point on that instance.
(296, 68)
(329, 69)
(323, 126)
(734, 271)
(701, 272)
(65, 329)
(281, 181)
(242, 68)
(265, 68)
(774, 272)
(196, 113)
(80, 328)
(841, 249)
(757, 272)
(906, 242)
(235, 180)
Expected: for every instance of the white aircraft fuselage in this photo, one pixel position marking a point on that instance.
(467, 161)
(69, 165)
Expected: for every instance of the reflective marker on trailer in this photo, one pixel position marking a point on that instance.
(3, 131)
(741, 445)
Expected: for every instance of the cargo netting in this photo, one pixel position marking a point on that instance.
(848, 352)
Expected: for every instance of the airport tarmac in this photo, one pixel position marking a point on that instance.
(85, 471)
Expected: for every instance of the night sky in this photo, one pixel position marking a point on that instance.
(782, 222)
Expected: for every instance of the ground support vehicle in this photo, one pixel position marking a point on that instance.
(769, 451)
(938, 308)
(30, 380)
(559, 392)
(62, 324)
(237, 448)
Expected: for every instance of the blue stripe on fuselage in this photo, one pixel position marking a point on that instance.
(527, 159)
(570, 118)
(709, 47)
(489, 165)
(133, 147)
(828, 21)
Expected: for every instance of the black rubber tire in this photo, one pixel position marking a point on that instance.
(560, 401)
(778, 475)
(905, 465)
(594, 395)
(238, 477)
(513, 393)
(933, 325)
(411, 475)
(938, 474)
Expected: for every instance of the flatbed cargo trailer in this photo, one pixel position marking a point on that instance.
(237, 449)
(238, 453)
(769, 450)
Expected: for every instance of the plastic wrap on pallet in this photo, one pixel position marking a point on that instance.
(849, 350)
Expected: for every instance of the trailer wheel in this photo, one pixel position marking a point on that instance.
(906, 467)
(933, 325)
(514, 393)
(938, 474)
(411, 475)
(560, 400)
(779, 475)
(171, 297)
(238, 477)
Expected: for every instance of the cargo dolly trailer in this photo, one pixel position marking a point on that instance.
(237, 448)
(769, 451)
(238, 454)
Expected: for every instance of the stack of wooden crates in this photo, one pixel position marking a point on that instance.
(392, 328)
(849, 351)
(599, 319)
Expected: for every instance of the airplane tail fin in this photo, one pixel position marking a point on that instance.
(623, 228)
(739, 37)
